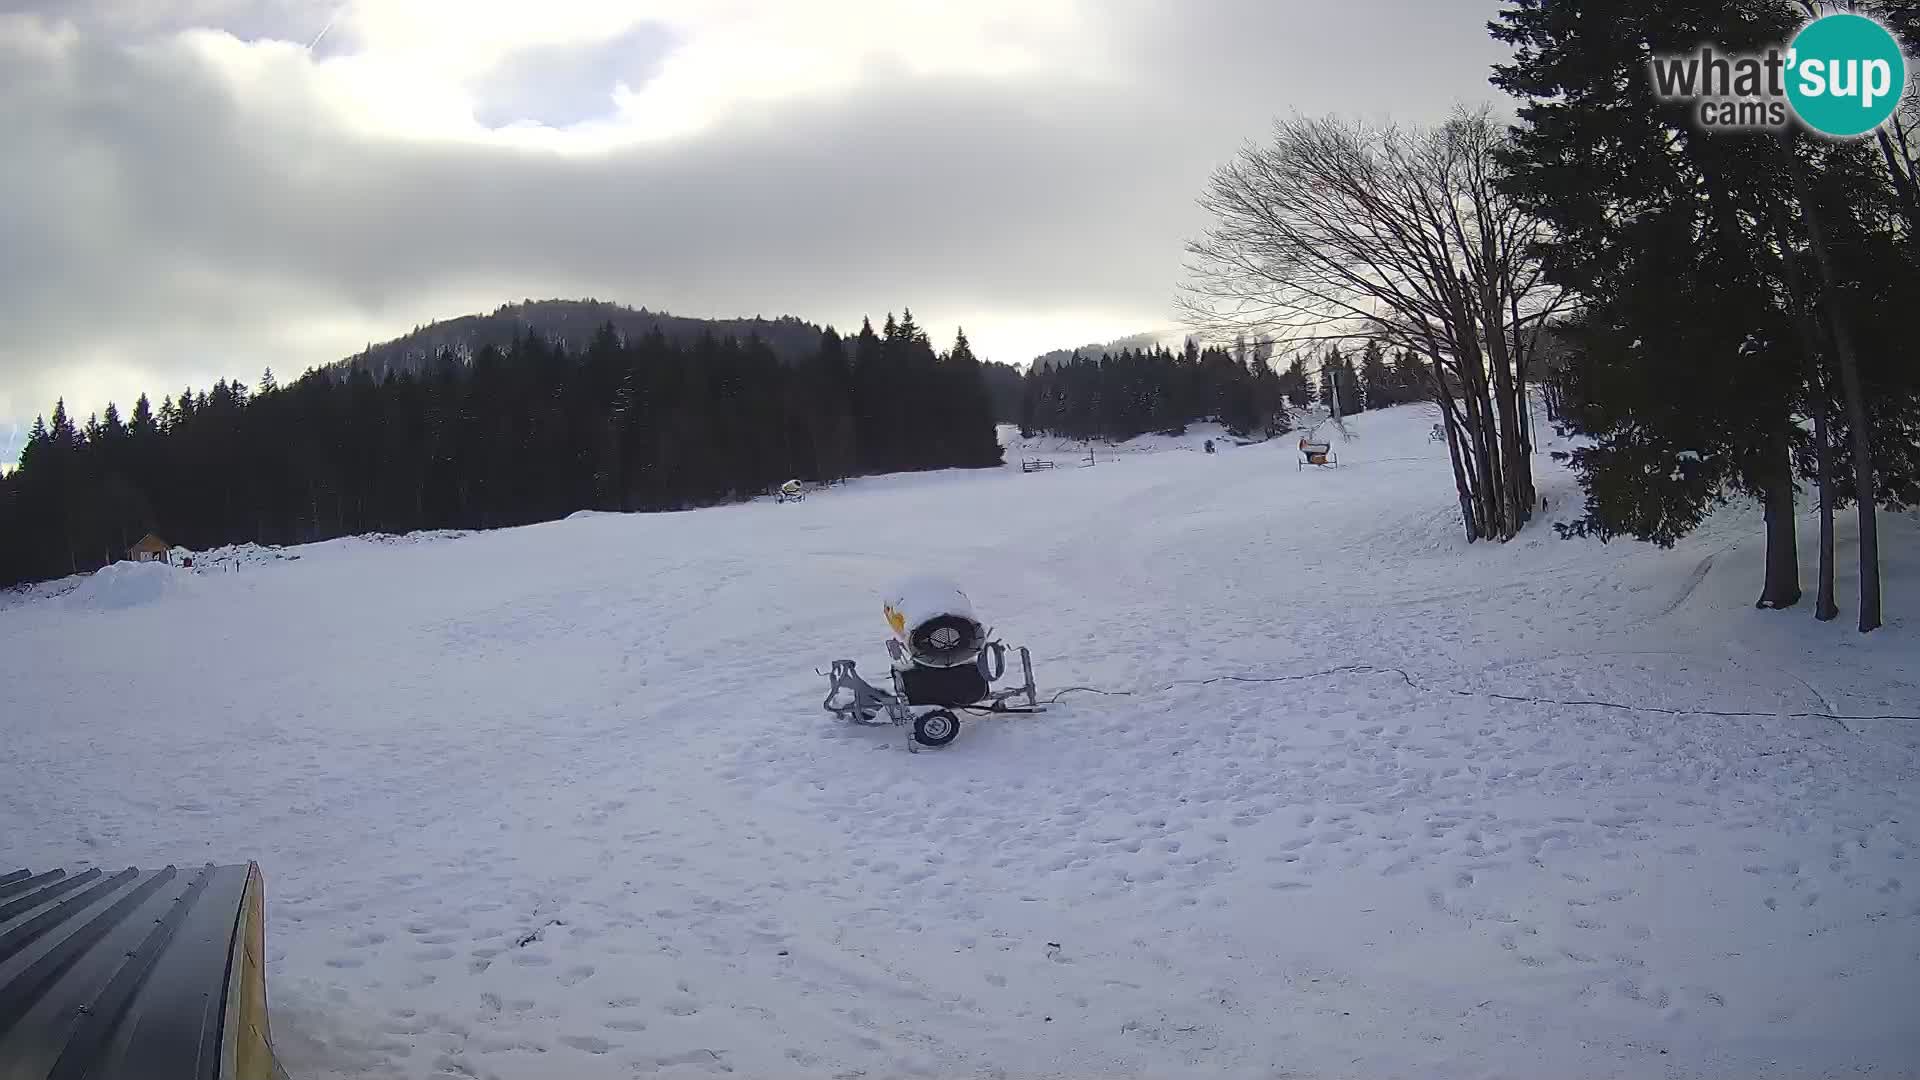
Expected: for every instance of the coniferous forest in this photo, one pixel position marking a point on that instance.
(527, 433)
(1741, 324)
(1135, 391)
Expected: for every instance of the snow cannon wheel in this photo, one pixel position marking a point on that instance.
(937, 728)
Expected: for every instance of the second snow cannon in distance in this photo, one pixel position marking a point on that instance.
(943, 659)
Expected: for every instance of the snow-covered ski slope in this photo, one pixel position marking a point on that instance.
(559, 801)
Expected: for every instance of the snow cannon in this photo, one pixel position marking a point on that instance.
(933, 624)
(944, 659)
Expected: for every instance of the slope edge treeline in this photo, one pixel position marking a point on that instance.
(527, 433)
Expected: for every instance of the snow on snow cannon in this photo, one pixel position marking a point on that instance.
(943, 659)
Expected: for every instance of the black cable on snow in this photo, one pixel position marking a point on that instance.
(1087, 690)
(1373, 669)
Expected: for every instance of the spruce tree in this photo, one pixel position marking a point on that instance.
(1409, 378)
(1350, 386)
(975, 444)
(1299, 388)
(1689, 370)
(1376, 381)
(64, 436)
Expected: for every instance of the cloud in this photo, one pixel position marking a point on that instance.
(180, 204)
(562, 86)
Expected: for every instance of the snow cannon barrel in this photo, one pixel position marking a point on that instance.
(933, 622)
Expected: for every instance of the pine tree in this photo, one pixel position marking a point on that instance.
(1376, 381)
(1334, 392)
(37, 439)
(1269, 397)
(873, 398)
(974, 442)
(1688, 368)
(1299, 388)
(1409, 378)
(64, 436)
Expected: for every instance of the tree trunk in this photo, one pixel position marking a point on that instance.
(1468, 518)
(1516, 483)
(1863, 479)
(1490, 496)
(1461, 486)
(1824, 608)
(1782, 587)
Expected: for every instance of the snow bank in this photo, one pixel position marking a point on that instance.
(1064, 451)
(126, 585)
(15, 595)
(233, 557)
(250, 555)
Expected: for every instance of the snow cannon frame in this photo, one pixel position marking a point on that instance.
(943, 660)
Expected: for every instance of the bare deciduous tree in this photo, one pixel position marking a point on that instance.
(1339, 229)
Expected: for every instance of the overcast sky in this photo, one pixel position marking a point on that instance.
(203, 188)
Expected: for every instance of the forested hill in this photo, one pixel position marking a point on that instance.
(573, 323)
(528, 433)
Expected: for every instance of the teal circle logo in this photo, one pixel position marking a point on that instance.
(1846, 75)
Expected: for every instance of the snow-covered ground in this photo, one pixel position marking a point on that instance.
(560, 801)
